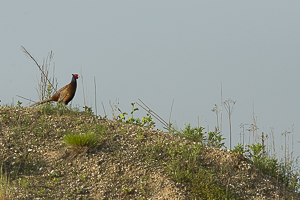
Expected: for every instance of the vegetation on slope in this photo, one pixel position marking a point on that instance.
(53, 153)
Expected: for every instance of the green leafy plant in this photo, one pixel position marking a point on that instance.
(121, 117)
(19, 104)
(239, 149)
(196, 134)
(88, 110)
(215, 139)
(294, 182)
(261, 161)
(268, 165)
(5, 117)
(256, 153)
(140, 134)
(147, 121)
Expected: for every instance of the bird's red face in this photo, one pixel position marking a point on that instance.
(75, 76)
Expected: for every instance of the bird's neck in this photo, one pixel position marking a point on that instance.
(73, 80)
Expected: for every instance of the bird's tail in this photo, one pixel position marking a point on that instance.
(40, 102)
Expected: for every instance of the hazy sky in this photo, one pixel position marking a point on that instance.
(163, 50)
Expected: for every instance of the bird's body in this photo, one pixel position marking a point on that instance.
(64, 95)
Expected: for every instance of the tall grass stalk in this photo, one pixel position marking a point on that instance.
(95, 95)
(5, 190)
(229, 106)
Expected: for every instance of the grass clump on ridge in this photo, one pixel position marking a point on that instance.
(77, 141)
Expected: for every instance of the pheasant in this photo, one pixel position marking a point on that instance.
(64, 95)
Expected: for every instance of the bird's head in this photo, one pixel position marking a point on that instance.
(75, 76)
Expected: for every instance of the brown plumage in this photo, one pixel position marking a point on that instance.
(64, 95)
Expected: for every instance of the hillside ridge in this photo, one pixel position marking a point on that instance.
(128, 162)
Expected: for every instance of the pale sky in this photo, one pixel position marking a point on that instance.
(163, 50)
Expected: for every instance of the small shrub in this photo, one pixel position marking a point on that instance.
(196, 134)
(239, 150)
(147, 121)
(88, 110)
(215, 140)
(256, 153)
(270, 166)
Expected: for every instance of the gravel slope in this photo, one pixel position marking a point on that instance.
(40, 165)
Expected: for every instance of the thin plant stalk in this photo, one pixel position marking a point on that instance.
(37, 64)
(229, 106)
(103, 108)
(171, 112)
(95, 95)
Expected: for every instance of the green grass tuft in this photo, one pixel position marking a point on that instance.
(78, 141)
